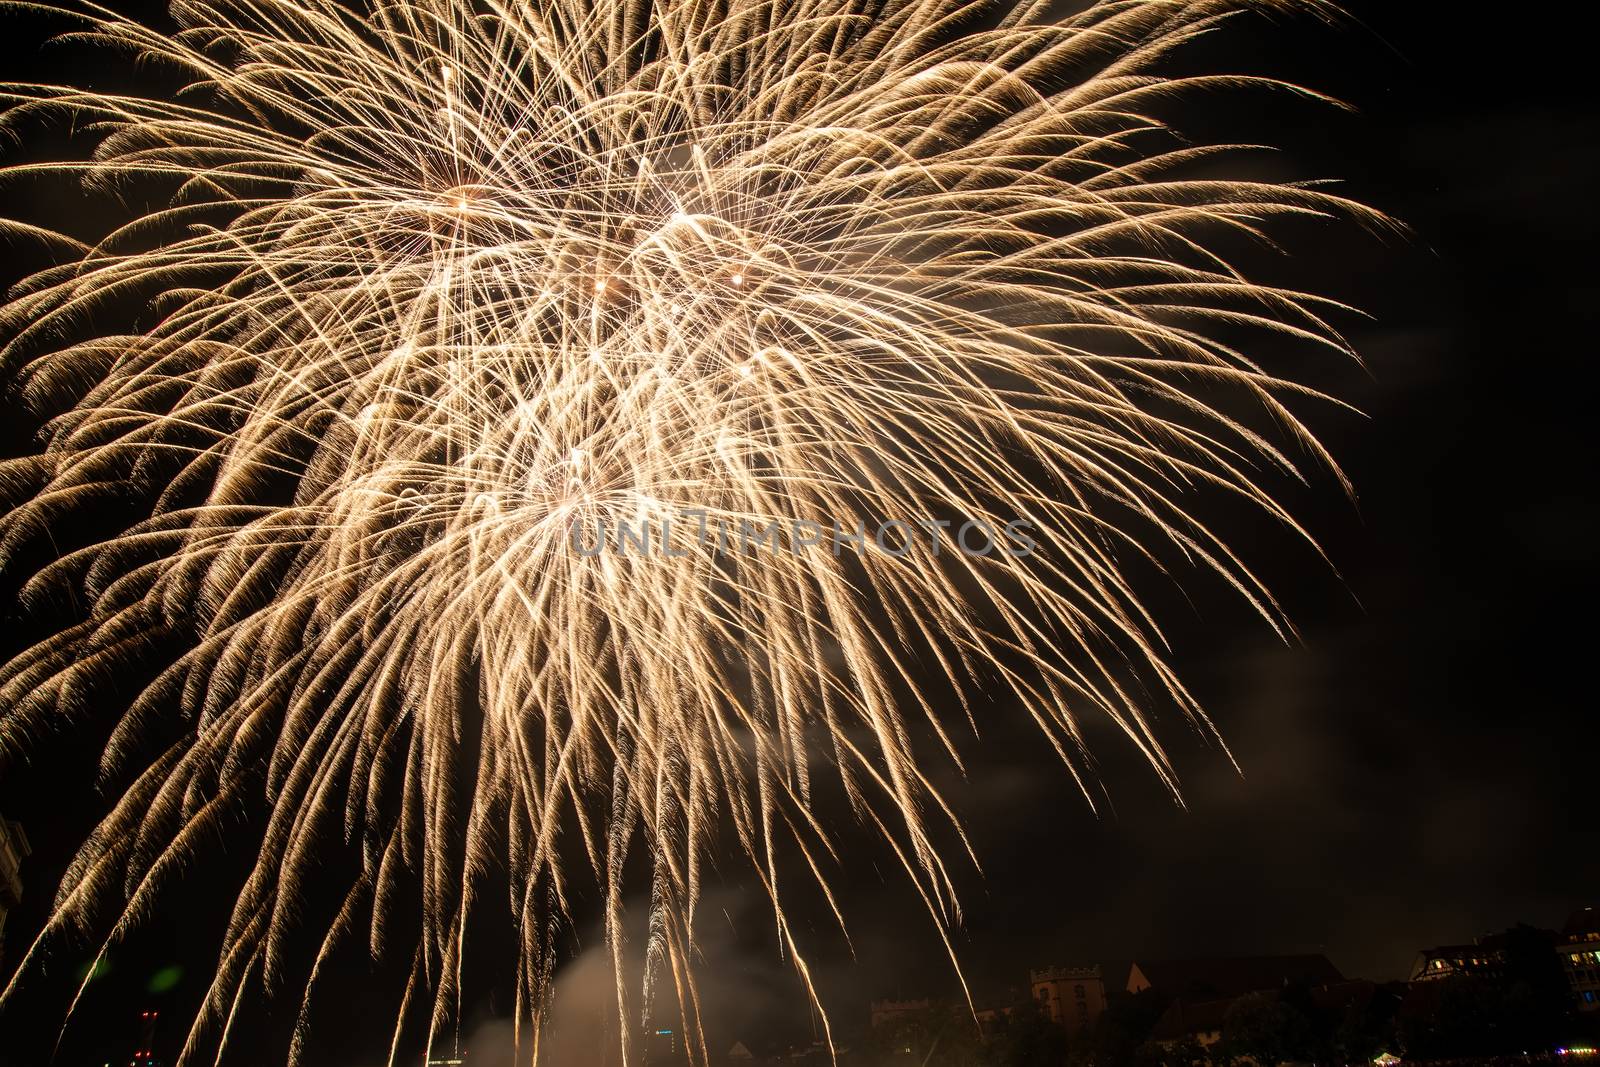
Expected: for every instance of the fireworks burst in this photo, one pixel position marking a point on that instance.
(446, 289)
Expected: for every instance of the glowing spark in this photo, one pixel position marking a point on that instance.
(992, 285)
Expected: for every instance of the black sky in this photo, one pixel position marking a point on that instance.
(1421, 767)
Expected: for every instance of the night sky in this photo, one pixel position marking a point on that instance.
(1420, 768)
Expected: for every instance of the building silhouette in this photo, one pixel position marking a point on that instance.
(1073, 998)
(1579, 949)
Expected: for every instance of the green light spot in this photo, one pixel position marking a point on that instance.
(164, 979)
(93, 969)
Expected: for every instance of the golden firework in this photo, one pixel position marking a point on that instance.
(532, 388)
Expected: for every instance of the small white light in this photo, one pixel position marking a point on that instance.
(737, 279)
